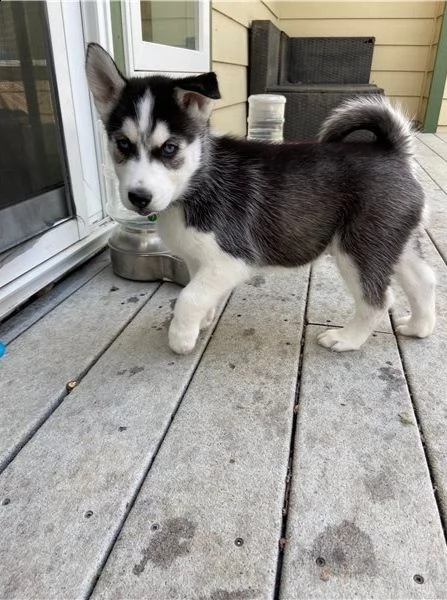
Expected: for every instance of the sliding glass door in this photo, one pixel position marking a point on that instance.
(34, 191)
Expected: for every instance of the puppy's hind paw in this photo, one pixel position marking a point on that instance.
(419, 328)
(338, 340)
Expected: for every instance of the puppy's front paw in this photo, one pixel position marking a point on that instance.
(338, 340)
(182, 339)
(206, 321)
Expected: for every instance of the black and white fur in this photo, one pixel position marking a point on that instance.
(230, 207)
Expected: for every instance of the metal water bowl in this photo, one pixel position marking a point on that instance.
(139, 254)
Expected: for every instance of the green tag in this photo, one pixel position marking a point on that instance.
(152, 218)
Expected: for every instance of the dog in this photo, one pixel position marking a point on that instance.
(230, 207)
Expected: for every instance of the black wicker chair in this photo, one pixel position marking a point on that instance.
(314, 74)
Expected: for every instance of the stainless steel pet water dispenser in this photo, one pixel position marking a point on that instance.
(136, 249)
(138, 253)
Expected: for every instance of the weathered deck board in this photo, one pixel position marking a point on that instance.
(427, 182)
(91, 455)
(361, 498)
(220, 474)
(437, 205)
(437, 222)
(17, 324)
(59, 348)
(435, 143)
(330, 303)
(434, 164)
(425, 364)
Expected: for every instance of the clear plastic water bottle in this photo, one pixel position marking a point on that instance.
(266, 117)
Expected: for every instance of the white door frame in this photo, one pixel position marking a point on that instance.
(146, 57)
(67, 39)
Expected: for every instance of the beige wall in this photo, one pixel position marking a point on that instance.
(230, 23)
(406, 35)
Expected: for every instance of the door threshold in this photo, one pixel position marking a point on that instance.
(21, 289)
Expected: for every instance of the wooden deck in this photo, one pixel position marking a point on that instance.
(260, 467)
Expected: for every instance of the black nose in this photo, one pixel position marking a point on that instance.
(140, 198)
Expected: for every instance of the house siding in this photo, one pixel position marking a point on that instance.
(406, 36)
(230, 24)
(406, 42)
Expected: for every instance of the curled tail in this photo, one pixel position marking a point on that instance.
(373, 113)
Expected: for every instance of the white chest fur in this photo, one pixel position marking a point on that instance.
(197, 248)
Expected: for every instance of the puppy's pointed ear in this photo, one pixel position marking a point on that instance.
(104, 79)
(196, 95)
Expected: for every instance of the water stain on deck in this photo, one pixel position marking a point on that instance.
(257, 281)
(345, 550)
(135, 370)
(393, 378)
(380, 486)
(132, 371)
(169, 542)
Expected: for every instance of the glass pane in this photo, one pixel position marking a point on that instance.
(31, 162)
(171, 22)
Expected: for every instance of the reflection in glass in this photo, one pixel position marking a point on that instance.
(30, 155)
(171, 23)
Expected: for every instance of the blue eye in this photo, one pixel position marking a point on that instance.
(123, 145)
(169, 149)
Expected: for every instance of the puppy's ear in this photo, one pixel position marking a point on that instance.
(196, 95)
(104, 79)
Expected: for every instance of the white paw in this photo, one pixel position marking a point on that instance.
(339, 340)
(420, 328)
(182, 339)
(402, 320)
(206, 321)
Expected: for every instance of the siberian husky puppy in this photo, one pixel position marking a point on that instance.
(230, 207)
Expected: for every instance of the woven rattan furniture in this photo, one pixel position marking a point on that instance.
(314, 74)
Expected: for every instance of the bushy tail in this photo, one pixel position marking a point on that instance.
(373, 113)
